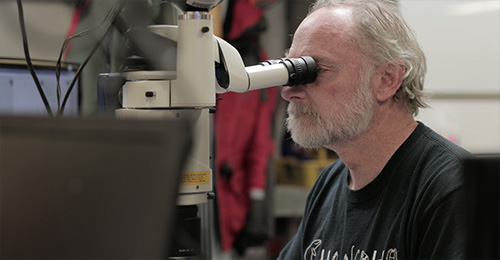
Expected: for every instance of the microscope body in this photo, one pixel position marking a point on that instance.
(204, 66)
(186, 94)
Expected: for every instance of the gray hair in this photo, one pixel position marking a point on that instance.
(384, 36)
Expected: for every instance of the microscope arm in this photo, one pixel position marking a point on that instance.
(232, 75)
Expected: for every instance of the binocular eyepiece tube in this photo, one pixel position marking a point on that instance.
(282, 72)
(302, 70)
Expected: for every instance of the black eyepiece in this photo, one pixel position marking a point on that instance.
(301, 70)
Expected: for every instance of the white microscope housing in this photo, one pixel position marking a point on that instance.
(205, 65)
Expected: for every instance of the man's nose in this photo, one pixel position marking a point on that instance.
(294, 93)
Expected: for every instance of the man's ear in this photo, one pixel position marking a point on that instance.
(391, 78)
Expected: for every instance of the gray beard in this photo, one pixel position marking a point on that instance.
(309, 129)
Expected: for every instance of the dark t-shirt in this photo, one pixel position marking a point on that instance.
(412, 210)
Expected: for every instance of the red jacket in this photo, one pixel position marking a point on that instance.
(244, 144)
(243, 124)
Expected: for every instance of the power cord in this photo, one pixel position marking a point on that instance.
(115, 10)
(111, 16)
(28, 58)
(117, 7)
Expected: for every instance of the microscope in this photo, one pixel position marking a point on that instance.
(195, 66)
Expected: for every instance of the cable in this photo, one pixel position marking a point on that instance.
(28, 58)
(75, 20)
(64, 49)
(78, 72)
(113, 13)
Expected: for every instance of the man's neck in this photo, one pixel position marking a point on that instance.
(367, 154)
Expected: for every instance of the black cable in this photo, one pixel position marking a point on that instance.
(28, 58)
(65, 45)
(120, 4)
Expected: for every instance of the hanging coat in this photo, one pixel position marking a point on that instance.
(243, 149)
(243, 125)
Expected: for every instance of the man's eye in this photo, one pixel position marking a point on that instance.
(321, 69)
(326, 68)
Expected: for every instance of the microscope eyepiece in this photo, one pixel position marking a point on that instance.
(301, 70)
(279, 72)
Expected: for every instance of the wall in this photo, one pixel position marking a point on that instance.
(461, 42)
(46, 27)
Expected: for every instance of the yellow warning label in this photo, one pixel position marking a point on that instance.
(195, 178)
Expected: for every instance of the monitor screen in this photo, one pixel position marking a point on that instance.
(20, 96)
(86, 188)
(482, 206)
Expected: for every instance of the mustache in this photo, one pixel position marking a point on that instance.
(300, 109)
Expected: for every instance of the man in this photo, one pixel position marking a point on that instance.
(395, 191)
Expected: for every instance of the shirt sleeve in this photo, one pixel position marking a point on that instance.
(443, 229)
(292, 250)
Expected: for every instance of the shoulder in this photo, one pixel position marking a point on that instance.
(436, 166)
(435, 145)
(432, 155)
(333, 174)
(330, 180)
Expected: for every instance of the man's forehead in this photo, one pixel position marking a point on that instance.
(324, 27)
(326, 22)
(338, 17)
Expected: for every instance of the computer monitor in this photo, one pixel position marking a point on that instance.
(482, 206)
(19, 94)
(87, 188)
